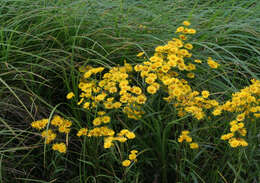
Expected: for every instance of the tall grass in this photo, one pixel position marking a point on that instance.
(42, 44)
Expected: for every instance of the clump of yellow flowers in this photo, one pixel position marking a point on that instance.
(105, 90)
(185, 137)
(246, 105)
(58, 125)
(132, 157)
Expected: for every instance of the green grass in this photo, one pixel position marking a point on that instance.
(42, 44)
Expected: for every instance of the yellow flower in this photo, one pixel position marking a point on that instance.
(121, 139)
(61, 147)
(64, 129)
(180, 29)
(106, 119)
(180, 139)
(194, 145)
(141, 99)
(101, 113)
(198, 61)
(132, 156)
(217, 112)
(97, 121)
(87, 74)
(108, 142)
(140, 54)
(191, 31)
(126, 163)
(243, 143)
(134, 152)
(188, 46)
(149, 80)
(48, 135)
(186, 23)
(191, 75)
(82, 131)
(117, 105)
(136, 90)
(113, 89)
(151, 89)
(57, 121)
(185, 132)
(86, 105)
(212, 63)
(234, 142)
(183, 37)
(70, 95)
(240, 117)
(257, 115)
(188, 139)
(130, 135)
(242, 131)
(205, 94)
(40, 124)
(227, 136)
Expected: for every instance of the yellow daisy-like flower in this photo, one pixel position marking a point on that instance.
(106, 119)
(186, 23)
(108, 144)
(70, 95)
(126, 163)
(130, 135)
(141, 99)
(191, 75)
(188, 46)
(233, 142)
(180, 29)
(194, 145)
(240, 117)
(132, 156)
(97, 121)
(151, 89)
(191, 31)
(205, 94)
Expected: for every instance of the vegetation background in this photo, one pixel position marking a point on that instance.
(42, 45)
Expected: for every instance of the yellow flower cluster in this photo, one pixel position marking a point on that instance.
(49, 135)
(162, 70)
(112, 88)
(246, 104)
(168, 70)
(236, 128)
(185, 137)
(62, 125)
(113, 91)
(61, 147)
(108, 134)
(185, 30)
(122, 136)
(131, 158)
(40, 124)
(99, 120)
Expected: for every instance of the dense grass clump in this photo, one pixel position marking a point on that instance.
(48, 46)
